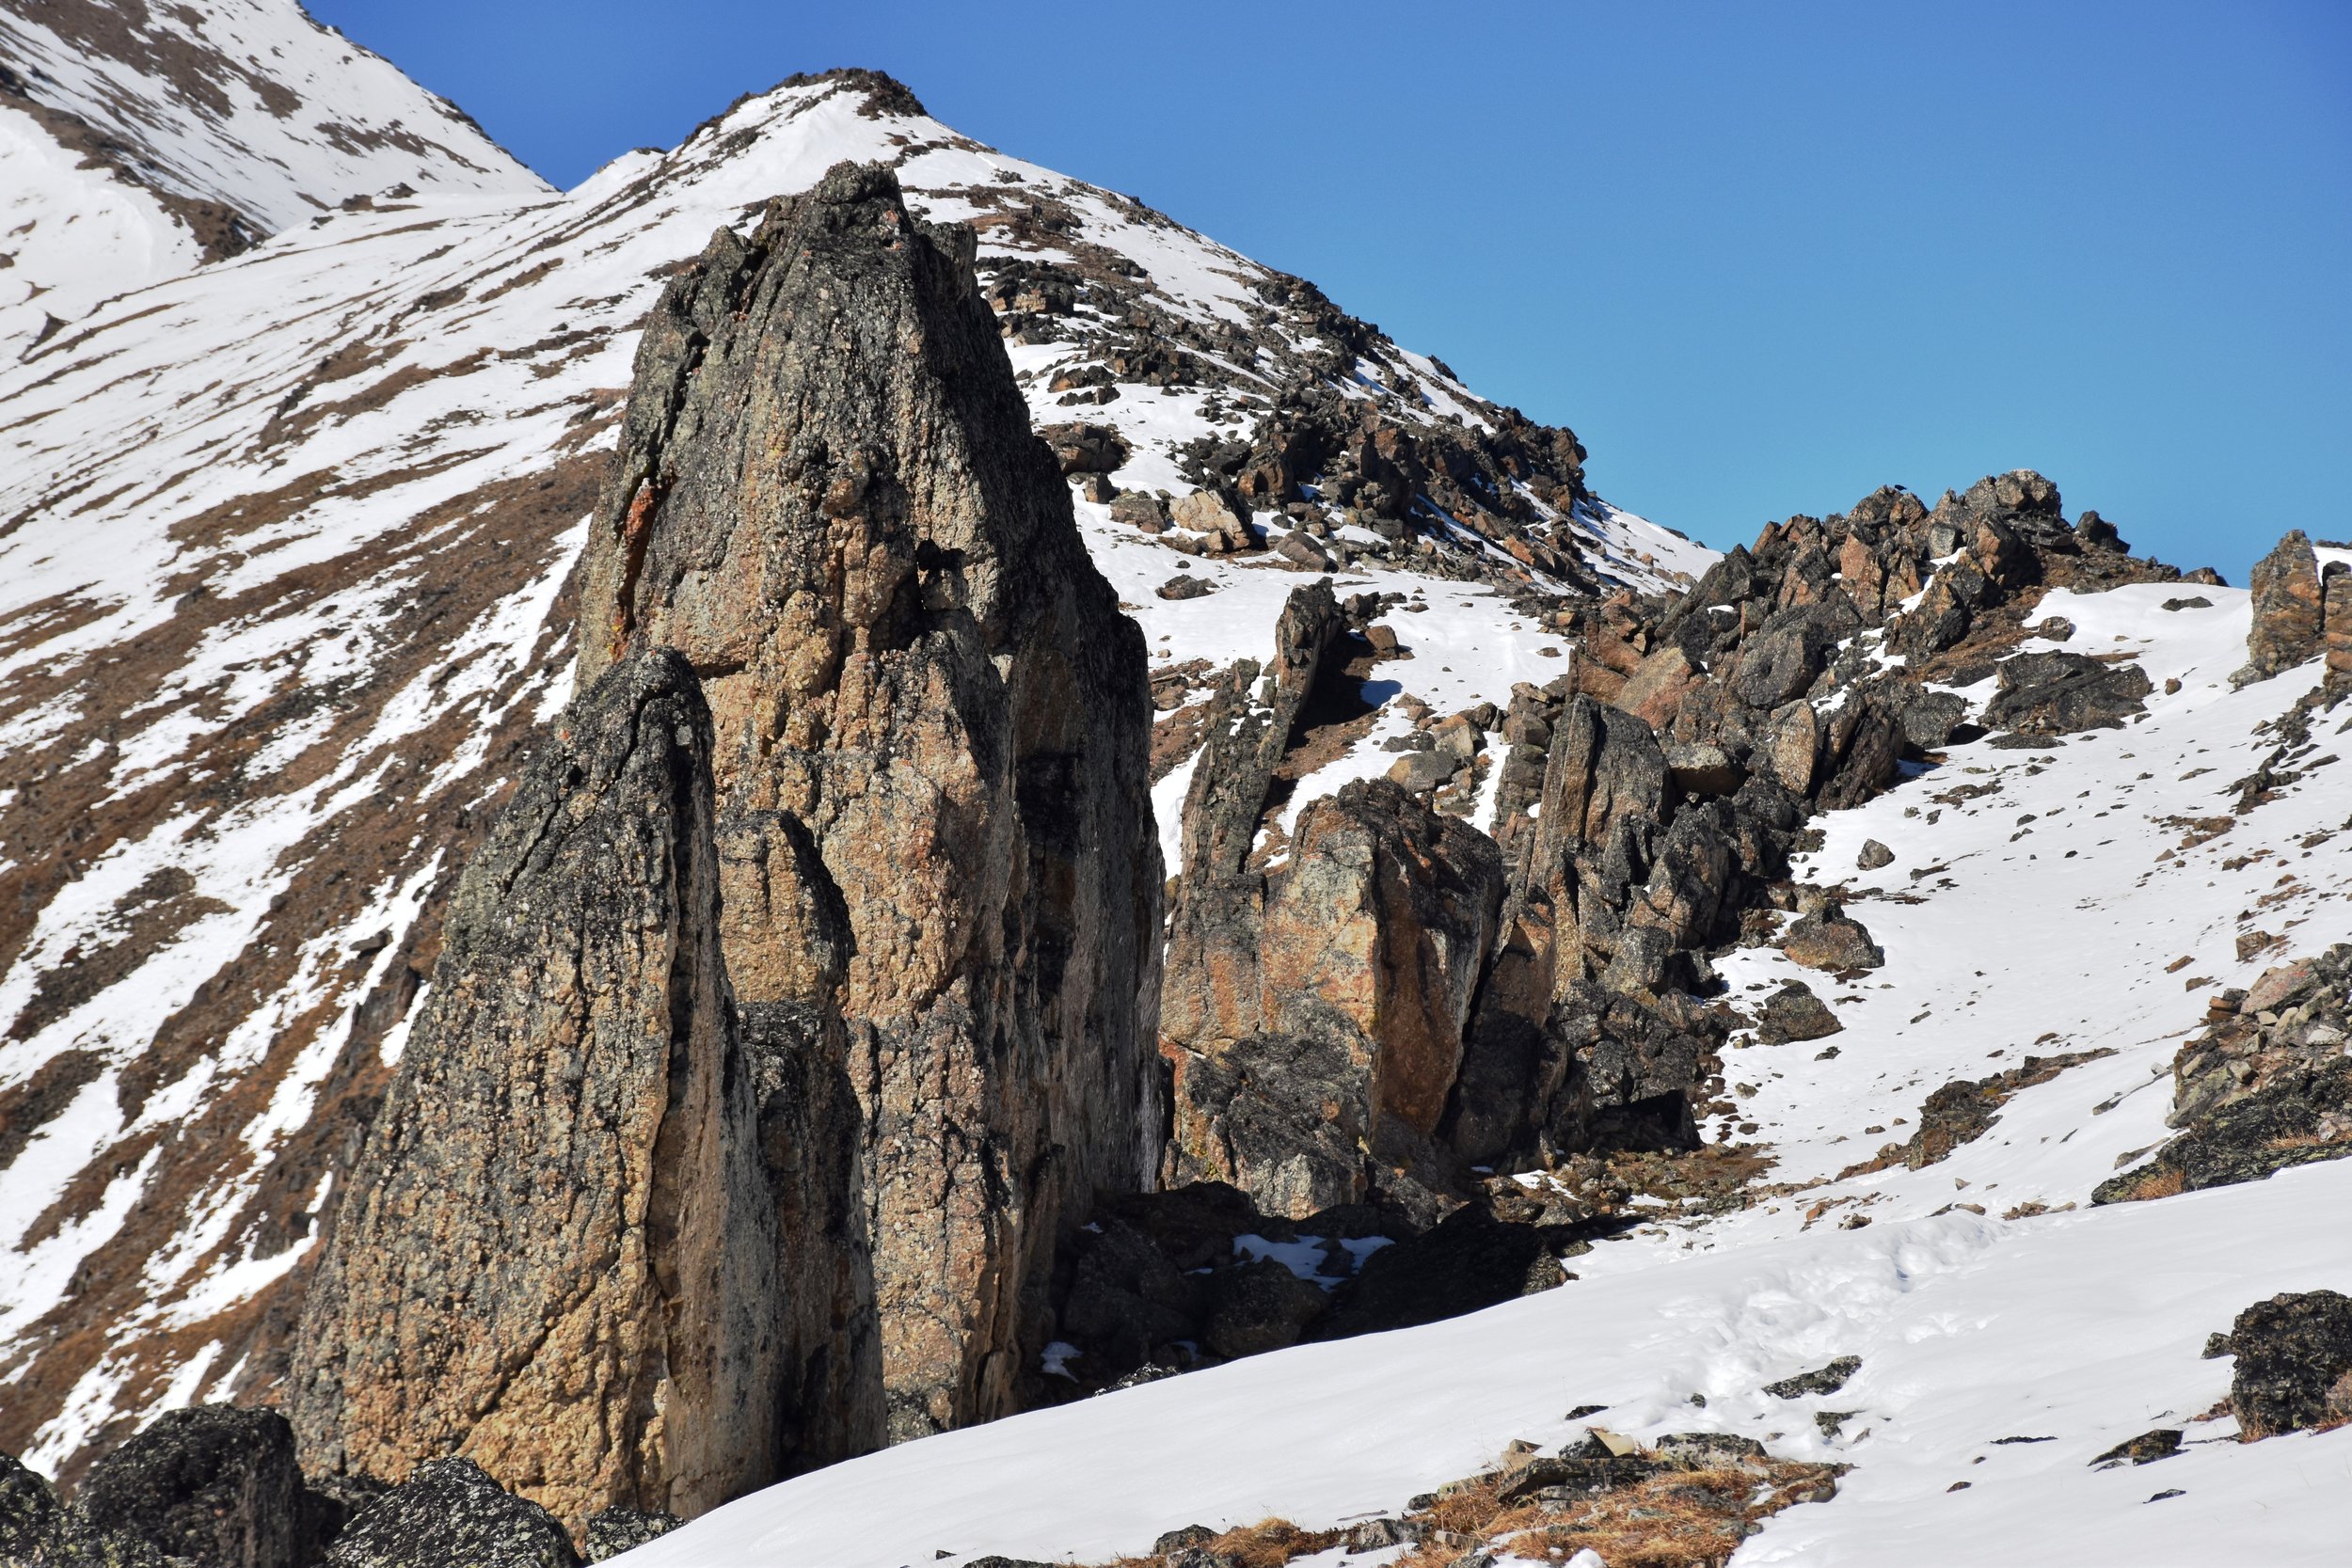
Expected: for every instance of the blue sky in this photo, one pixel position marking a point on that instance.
(1760, 258)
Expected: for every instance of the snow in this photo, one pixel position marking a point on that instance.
(2030, 938)
(2082, 1326)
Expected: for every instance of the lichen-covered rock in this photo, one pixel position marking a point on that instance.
(2288, 612)
(2294, 1363)
(449, 1513)
(2266, 1085)
(624, 1529)
(215, 1486)
(933, 758)
(1829, 939)
(1794, 1013)
(557, 1255)
(2063, 693)
(29, 1511)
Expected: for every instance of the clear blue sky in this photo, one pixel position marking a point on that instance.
(1762, 258)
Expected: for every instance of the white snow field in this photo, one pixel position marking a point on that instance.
(247, 103)
(2082, 1327)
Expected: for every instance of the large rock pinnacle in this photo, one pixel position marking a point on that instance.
(940, 873)
(557, 1254)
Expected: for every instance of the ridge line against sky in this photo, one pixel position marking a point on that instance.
(1762, 261)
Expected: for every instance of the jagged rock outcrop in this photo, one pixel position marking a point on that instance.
(2288, 609)
(559, 1256)
(2265, 1086)
(942, 885)
(1315, 997)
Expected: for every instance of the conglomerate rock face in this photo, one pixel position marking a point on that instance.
(941, 895)
(559, 1255)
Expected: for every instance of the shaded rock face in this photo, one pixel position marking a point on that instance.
(213, 1485)
(2294, 1363)
(557, 1255)
(941, 882)
(1186, 1278)
(450, 1512)
(2289, 615)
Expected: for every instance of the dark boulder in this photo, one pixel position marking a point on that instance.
(1822, 1380)
(2294, 1363)
(449, 1514)
(1794, 1013)
(621, 1530)
(1260, 1306)
(29, 1512)
(2063, 693)
(215, 1486)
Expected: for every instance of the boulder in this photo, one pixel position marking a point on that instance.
(1085, 449)
(1793, 1013)
(1140, 509)
(1260, 1306)
(1873, 856)
(1702, 770)
(2287, 609)
(1829, 939)
(2063, 693)
(1418, 772)
(1187, 585)
(29, 1513)
(1822, 1380)
(624, 1529)
(2294, 1364)
(214, 1485)
(1206, 512)
(449, 1513)
(938, 842)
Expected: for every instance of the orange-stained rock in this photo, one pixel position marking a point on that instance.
(942, 878)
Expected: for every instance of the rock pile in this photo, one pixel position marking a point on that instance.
(2266, 1085)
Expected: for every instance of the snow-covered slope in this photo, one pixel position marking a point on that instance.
(136, 139)
(2001, 1351)
(285, 550)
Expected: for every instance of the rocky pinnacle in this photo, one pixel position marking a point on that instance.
(941, 879)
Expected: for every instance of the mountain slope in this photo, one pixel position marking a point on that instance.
(289, 546)
(136, 140)
(2003, 1349)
